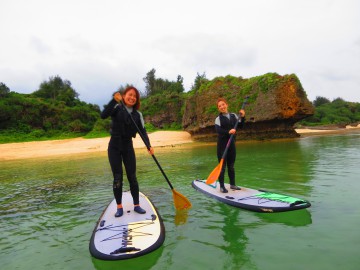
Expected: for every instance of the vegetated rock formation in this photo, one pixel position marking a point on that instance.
(275, 104)
(163, 111)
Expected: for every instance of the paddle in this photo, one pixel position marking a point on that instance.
(180, 201)
(214, 175)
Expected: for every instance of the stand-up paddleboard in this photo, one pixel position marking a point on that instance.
(251, 199)
(130, 235)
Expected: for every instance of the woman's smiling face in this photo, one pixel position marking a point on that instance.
(130, 98)
(222, 107)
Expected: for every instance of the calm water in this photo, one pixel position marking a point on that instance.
(49, 207)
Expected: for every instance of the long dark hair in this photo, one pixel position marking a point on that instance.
(127, 89)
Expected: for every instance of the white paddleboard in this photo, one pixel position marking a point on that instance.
(251, 199)
(130, 235)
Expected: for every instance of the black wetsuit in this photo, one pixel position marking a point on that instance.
(223, 124)
(120, 149)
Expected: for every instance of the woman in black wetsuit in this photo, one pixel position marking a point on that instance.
(120, 149)
(224, 125)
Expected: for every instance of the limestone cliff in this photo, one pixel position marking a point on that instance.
(275, 104)
(163, 111)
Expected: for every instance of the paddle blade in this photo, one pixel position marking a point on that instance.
(180, 201)
(214, 175)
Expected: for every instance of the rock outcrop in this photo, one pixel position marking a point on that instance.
(163, 111)
(275, 104)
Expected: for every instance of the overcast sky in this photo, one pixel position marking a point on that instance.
(100, 45)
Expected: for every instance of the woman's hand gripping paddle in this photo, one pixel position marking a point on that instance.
(180, 201)
(214, 175)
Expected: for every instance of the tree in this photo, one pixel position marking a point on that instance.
(149, 82)
(179, 84)
(4, 90)
(57, 89)
(199, 80)
(172, 87)
(155, 85)
(320, 101)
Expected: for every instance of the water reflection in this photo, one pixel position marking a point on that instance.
(281, 166)
(181, 217)
(140, 263)
(235, 240)
(296, 218)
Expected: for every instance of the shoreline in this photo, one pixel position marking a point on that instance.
(54, 148)
(318, 131)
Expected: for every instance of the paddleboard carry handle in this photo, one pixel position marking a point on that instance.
(124, 249)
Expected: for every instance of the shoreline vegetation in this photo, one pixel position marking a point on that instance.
(53, 148)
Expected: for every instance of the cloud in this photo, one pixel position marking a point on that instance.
(207, 50)
(39, 45)
(99, 46)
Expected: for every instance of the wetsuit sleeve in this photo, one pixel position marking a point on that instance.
(218, 127)
(143, 130)
(109, 109)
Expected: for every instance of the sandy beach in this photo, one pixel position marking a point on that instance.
(318, 131)
(25, 150)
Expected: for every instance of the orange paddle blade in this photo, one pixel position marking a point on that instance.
(214, 175)
(180, 201)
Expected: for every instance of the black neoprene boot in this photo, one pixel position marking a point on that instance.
(223, 190)
(139, 210)
(119, 212)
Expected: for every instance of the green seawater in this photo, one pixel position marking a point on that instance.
(49, 208)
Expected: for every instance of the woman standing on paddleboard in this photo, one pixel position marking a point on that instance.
(120, 149)
(224, 125)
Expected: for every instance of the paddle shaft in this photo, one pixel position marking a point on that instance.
(148, 146)
(232, 135)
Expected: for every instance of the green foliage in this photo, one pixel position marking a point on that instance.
(57, 89)
(54, 110)
(212, 110)
(100, 129)
(160, 102)
(149, 82)
(263, 83)
(199, 80)
(102, 124)
(320, 101)
(337, 112)
(155, 86)
(30, 117)
(4, 90)
(149, 127)
(173, 126)
(11, 135)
